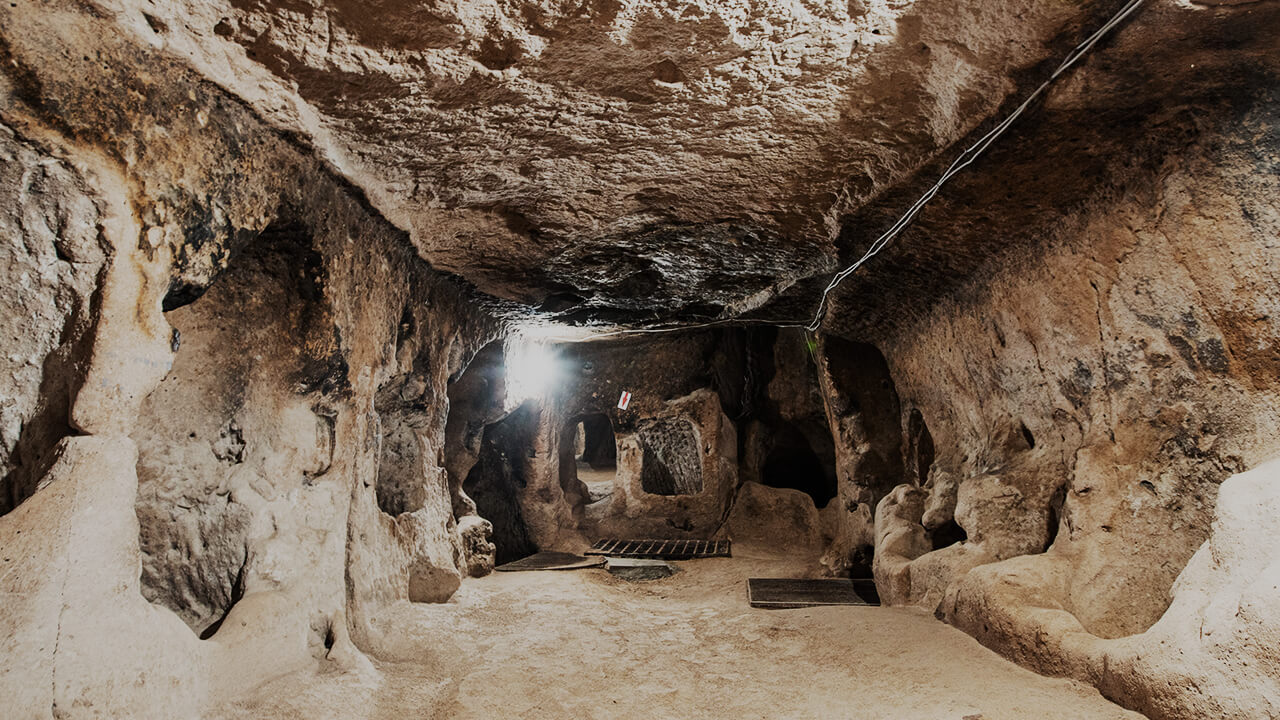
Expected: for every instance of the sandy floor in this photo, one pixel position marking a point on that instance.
(599, 482)
(583, 644)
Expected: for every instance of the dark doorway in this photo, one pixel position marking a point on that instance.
(496, 480)
(792, 463)
(595, 455)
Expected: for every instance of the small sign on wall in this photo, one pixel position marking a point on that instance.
(624, 401)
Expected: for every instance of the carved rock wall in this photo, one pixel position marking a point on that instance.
(1085, 403)
(222, 327)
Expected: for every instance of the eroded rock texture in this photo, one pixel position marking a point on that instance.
(227, 323)
(1088, 395)
(621, 155)
(249, 421)
(53, 256)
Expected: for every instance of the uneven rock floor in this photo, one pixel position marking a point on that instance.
(584, 644)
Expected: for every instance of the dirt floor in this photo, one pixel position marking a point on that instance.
(584, 644)
(599, 482)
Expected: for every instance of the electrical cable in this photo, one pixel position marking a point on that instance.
(965, 159)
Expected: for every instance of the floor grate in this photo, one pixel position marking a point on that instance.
(664, 549)
(797, 593)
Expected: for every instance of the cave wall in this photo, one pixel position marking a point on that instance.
(1085, 402)
(222, 347)
(1083, 453)
(52, 258)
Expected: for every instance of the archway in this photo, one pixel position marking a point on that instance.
(589, 459)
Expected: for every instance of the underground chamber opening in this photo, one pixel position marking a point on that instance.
(498, 478)
(794, 463)
(589, 455)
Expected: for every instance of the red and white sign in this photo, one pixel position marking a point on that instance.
(624, 401)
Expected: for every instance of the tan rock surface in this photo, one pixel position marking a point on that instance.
(247, 430)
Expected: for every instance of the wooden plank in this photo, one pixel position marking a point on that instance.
(551, 561)
(797, 593)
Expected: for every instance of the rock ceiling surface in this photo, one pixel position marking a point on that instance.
(646, 157)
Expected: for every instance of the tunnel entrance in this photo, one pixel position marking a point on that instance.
(589, 456)
(793, 463)
(496, 480)
(866, 403)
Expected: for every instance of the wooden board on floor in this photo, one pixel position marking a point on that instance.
(551, 561)
(797, 593)
(661, 549)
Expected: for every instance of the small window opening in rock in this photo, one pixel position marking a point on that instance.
(793, 463)
(670, 463)
(400, 484)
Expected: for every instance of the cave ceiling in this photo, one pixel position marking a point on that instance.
(650, 160)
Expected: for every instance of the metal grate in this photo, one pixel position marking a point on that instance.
(664, 549)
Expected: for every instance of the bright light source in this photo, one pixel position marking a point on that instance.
(531, 369)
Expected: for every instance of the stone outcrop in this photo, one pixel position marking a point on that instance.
(52, 259)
